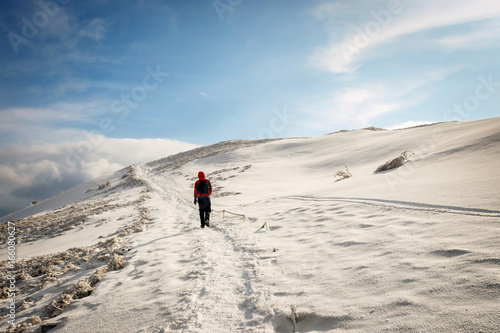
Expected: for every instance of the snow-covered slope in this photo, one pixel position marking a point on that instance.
(414, 249)
(70, 196)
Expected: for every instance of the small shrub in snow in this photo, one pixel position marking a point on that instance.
(133, 180)
(138, 226)
(116, 263)
(295, 317)
(35, 320)
(343, 174)
(72, 267)
(103, 186)
(55, 308)
(397, 162)
(144, 198)
(97, 276)
(4, 293)
(23, 276)
(81, 289)
(111, 244)
(48, 280)
(26, 304)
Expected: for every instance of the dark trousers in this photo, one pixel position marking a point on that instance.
(205, 209)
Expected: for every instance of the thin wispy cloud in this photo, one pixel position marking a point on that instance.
(482, 35)
(345, 53)
(95, 30)
(358, 106)
(352, 107)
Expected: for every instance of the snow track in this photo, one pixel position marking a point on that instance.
(222, 299)
(405, 205)
(221, 295)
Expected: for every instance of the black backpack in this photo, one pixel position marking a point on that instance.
(204, 186)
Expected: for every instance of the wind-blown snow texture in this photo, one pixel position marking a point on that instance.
(414, 249)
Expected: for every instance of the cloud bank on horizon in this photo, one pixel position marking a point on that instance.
(99, 85)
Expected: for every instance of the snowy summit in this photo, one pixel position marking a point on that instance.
(304, 236)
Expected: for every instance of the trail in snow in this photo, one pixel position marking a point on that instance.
(222, 296)
(405, 205)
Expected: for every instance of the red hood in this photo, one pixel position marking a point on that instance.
(201, 175)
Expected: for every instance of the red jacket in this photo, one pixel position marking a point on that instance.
(202, 187)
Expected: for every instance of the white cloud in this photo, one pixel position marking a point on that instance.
(480, 36)
(359, 106)
(60, 27)
(95, 30)
(384, 25)
(356, 106)
(46, 124)
(326, 10)
(145, 150)
(102, 166)
(42, 153)
(410, 123)
(39, 170)
(96, 155)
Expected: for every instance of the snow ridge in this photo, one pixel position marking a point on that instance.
(180, 159)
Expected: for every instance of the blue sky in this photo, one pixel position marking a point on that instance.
(91, 86)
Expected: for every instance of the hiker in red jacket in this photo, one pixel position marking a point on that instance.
(202, 191)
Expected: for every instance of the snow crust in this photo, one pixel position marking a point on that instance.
(413, 249)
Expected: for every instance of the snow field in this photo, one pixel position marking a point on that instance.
(414, 249)
(362, 268)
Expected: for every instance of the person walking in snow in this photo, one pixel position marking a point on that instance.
(202, 191)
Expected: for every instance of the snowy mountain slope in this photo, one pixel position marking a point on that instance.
(450, 166)
(70, 196)
(63, 253)
(414, 249)
(180, 159)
